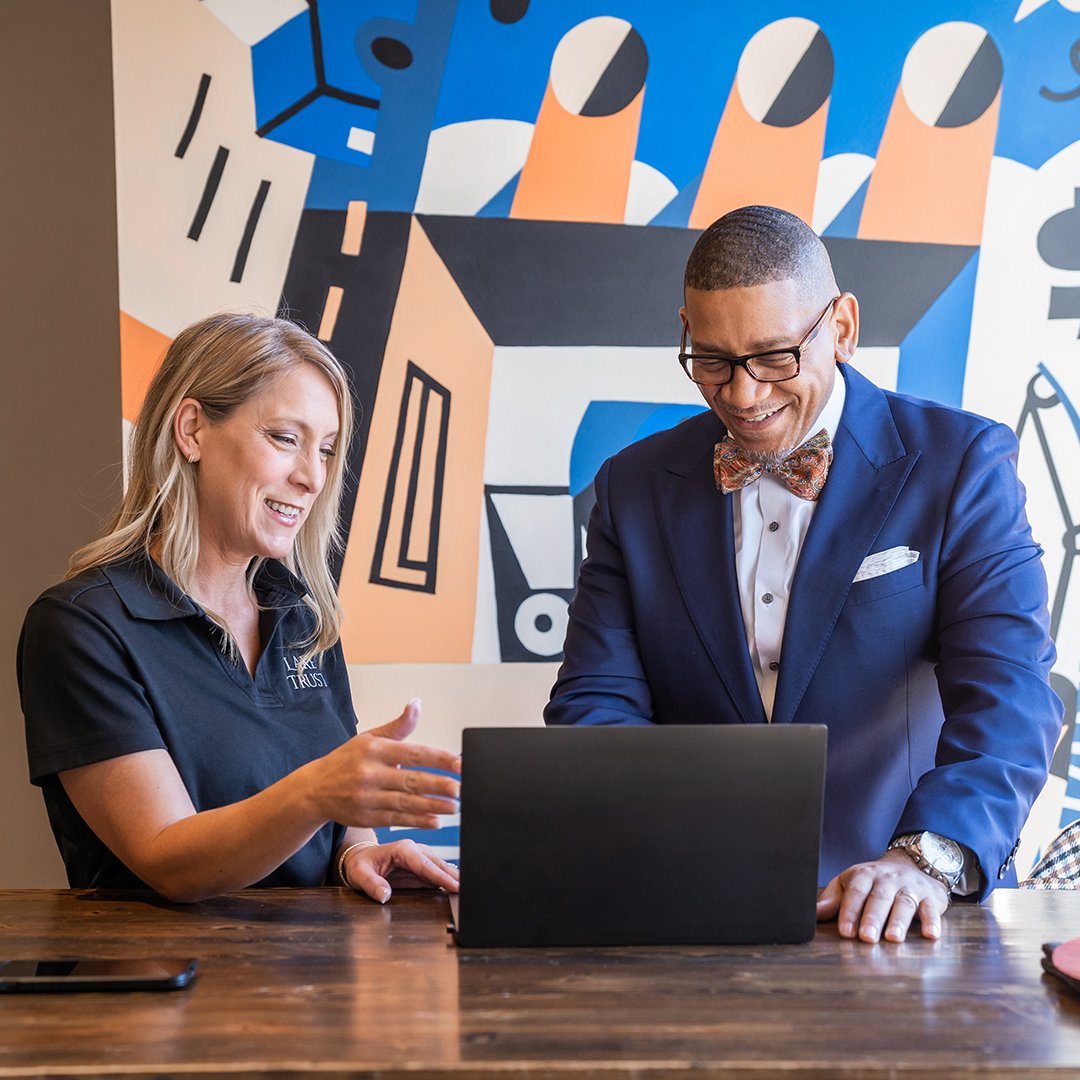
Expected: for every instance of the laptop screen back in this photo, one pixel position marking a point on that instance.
(640, 835)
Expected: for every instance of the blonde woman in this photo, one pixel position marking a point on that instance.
(187, 705)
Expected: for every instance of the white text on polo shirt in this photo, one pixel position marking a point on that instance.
(302, 680)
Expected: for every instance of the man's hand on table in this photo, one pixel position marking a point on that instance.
(879, 899)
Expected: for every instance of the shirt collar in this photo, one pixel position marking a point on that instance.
(829, 417)
(147, 592)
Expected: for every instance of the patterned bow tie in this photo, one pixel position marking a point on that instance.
(804, 470)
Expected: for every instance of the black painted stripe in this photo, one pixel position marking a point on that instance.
(213, 179)
(196, 115)
(249, 231)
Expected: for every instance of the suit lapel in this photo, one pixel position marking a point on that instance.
(696, 524)
(871, 465)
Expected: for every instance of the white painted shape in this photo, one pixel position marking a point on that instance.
(454, 696)
(361, 140)
(768, 60)
(650, 191)
(167, 281)
(126, 430)
(539, 395)
(880, 364)
(1042, 824)
(485, 646)
(839, 178)
(251, 22)
(582, 57)
(445, 821)
(541, 532)
(935, 64)
(1047, 523)
(467, 164)
(547, 642)
(1027, 7)
(1010, 336)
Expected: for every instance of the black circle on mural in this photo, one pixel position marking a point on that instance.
(599, 67)
(391, 53)
(543, 623)
(786, 72)
(509, 11)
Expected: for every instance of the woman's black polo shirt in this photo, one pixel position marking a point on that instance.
(119, 660)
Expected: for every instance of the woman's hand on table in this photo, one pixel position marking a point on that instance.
(378, 868)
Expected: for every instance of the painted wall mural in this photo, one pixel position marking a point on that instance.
(484, 207)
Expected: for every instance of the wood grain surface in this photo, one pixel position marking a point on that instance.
(320, 981)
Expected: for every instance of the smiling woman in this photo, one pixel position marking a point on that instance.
(187, 706)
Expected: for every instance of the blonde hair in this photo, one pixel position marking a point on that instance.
(223, 361)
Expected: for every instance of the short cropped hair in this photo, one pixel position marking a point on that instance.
(756, 245)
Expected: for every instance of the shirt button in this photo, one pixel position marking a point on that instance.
(774, 666)
(773, 526)
(767, 598)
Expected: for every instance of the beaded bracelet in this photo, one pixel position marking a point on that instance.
(345, 854)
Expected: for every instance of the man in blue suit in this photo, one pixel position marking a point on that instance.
(817, 550)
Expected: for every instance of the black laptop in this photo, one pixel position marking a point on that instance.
(674, 835)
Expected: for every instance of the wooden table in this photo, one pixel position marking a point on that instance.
(300, 982)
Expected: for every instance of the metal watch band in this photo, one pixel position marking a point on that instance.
(907, 844)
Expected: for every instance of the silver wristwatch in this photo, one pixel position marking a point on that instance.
(935, 855)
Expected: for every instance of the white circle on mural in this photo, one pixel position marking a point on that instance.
(785, 72)
(599, 67)
(951, 75)
(540, 623)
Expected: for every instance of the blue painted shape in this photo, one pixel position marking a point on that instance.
(677, 212)
(499, 204)
(333, 185)
(448, 836)
(339, 21)
(933, 357)
(322, 128)
(409, 100)
(609, 426)
(846, 223)
(282, 69)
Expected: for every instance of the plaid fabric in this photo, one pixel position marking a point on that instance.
(804, 470)
(1059, 868)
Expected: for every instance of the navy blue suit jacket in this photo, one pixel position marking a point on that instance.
(932, 679)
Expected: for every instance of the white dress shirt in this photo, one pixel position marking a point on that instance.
(770, 527)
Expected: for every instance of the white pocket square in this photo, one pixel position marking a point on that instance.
(885, 562)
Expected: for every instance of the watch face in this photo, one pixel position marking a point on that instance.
(942, 854)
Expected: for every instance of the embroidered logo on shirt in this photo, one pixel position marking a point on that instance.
(308, 679)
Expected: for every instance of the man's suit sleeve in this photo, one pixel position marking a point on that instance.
(601, 680)
(1002, 718)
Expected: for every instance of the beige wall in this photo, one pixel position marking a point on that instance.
(61, 366)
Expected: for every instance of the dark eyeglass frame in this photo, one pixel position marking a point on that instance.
(795, 351)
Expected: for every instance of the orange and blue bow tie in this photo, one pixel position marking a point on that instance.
(803, 471)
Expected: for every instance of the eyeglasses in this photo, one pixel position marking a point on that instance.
(777, 365)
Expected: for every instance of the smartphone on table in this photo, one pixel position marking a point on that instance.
(67, 975)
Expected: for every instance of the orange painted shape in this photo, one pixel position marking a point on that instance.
(929, 184)
(334, 296)
(754, 163)
(355, 219)
(434, 328)
(141, 351)
(578, 167)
